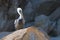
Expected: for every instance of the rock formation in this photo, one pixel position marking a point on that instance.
(31, 9)
(30, 33)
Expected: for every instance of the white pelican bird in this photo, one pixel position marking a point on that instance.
(20, 21)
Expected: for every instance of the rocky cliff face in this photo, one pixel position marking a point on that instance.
(31, 9)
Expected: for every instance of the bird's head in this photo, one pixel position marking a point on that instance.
(19, 10)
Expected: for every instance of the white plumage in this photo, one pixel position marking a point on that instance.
(19, 10)
(16, 22)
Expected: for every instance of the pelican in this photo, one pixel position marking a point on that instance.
(20, 21)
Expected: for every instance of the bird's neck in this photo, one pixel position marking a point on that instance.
(21, 16)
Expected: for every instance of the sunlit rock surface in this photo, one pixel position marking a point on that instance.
(30, 33)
